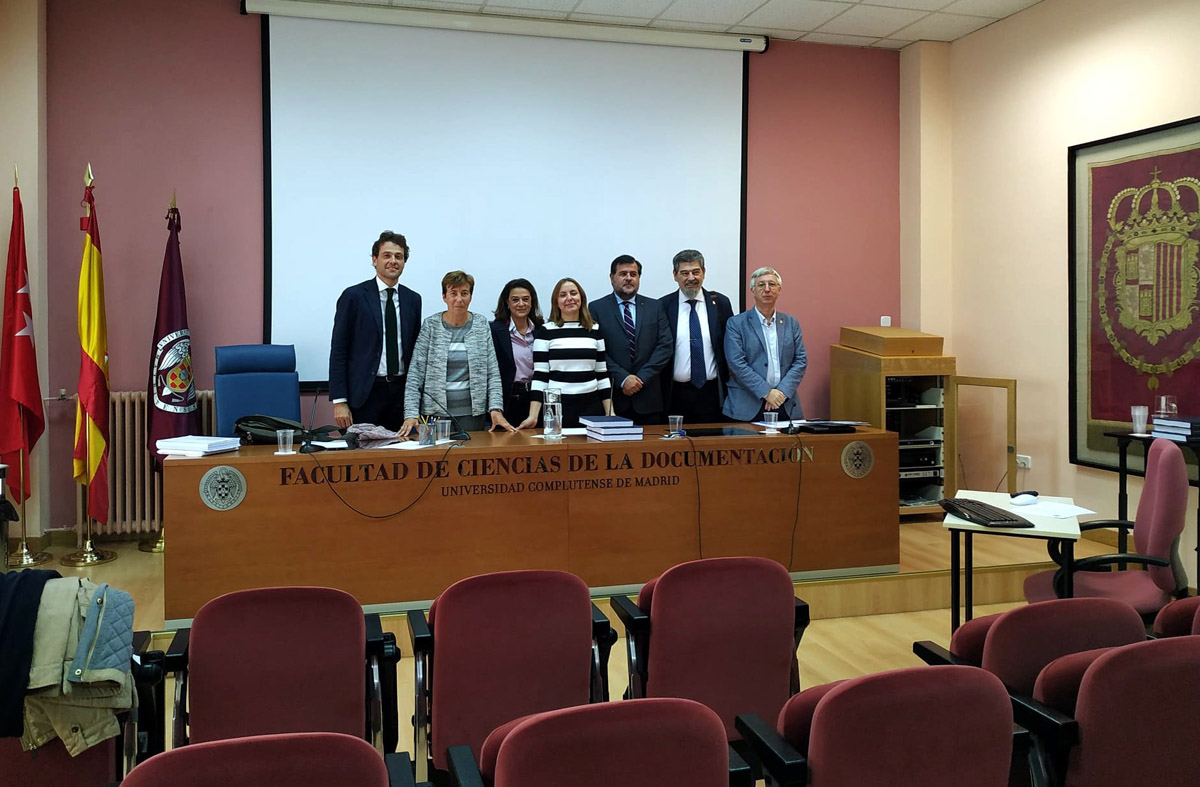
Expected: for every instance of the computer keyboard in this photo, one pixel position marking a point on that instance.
(982, 513)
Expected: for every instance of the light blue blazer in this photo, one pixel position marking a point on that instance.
(746, 354)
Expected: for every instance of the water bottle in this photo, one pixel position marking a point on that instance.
(552, 414)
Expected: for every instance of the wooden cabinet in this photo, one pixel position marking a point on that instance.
(896, 379)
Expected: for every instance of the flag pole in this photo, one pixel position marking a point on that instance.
(89, 555)
(22, 557)
(157, 545)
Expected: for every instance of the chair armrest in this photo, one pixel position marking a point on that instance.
(802, 619)
(176, 660)
(935, 655)
(463, 769)
(631, 615)
(419, 633)
(1041, 720)
(383, 717)
(1102, 563)
(1096, 524)
(786, 765)
(740, 772)
(399, 769)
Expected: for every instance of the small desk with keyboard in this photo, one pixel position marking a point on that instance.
(1065, 531)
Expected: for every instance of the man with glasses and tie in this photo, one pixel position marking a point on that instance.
(637, 343)
(765, 352)
(374, 331)
(696, 318)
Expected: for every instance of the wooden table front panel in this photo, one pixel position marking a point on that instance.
(614, 513)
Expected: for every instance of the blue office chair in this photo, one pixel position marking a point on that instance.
(255, 379)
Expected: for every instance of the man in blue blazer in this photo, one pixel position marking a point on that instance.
(637, 343)
(765, 352)
(694, 382)
(374, 330)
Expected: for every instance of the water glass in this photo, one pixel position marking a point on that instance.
(285, 438)
(772, 420)
(443, 429)
(552, 420)
(1140, 413)
(1167, 407)
(675, 423)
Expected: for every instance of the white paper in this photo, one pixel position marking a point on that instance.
(1052, 510)
(413, 445)
(331, 444)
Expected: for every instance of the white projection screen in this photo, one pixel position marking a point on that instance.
(500, 155)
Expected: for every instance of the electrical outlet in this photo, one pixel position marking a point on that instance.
(1025, 461)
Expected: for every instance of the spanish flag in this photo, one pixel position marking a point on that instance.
(91, 412)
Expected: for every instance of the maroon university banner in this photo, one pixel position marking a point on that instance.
(1135, 282)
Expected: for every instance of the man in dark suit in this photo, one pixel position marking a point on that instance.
(695, 384)
(637, 343)
(374, 330)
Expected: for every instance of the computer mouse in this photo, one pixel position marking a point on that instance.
(1024, 500)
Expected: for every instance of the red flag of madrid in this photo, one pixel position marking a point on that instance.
(22, 419)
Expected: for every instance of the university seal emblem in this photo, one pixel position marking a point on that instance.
(172, 374)
(222, 488)
(1147, 276)
(857, 459)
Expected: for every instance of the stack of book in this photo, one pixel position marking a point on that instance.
(607, 428)
(197, 445)
(1180, 428)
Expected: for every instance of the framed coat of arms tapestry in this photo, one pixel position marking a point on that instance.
(1134, 224)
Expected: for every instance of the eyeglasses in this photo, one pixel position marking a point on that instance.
(766, 285)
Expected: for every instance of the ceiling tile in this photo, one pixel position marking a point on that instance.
(534, 7)
(795, 14)
(918, 5)
(891, 43)
(787, 35)
(679, 24)
(635, 21)
(641, 9)
(943, 27)
(728, 12)
(830, 38)
(996, 9)
(863, 20)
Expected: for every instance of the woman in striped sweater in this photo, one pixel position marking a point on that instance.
(568, 354)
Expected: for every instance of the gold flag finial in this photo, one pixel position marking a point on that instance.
(87, 176)
(16, 177)
(172, 199)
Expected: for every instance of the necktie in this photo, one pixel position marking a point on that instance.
(696, 340)
(630, 331)
(391, 346)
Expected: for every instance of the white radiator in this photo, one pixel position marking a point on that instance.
(134, 491)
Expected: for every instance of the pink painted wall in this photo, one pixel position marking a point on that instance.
(157, 96)
(823, 202)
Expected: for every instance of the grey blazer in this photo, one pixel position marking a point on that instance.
(425, 391)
